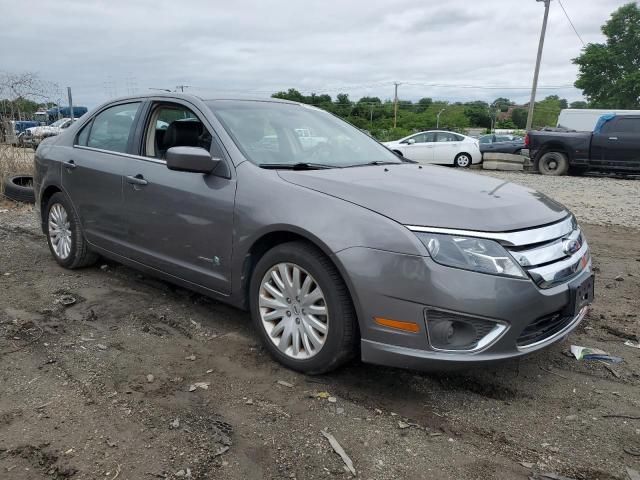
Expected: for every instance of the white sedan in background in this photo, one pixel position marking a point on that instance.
(438, 146)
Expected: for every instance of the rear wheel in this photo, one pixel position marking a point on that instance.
(553, 163)
(302, 309)
(462, 160)
(64, 234)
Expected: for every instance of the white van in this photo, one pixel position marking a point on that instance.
(584, 120)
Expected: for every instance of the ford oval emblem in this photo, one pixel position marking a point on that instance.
(569, 247)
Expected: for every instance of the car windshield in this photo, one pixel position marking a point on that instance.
(272, 133)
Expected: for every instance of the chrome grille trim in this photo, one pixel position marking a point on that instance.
(546, 253)
(514, 239)
(554, 273)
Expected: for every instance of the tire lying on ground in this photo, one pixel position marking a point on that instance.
(19, 188)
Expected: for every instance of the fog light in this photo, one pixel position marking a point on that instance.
(451, 331)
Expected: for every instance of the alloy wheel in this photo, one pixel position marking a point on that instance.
(60, 231)
(293, 311)
(463, 161)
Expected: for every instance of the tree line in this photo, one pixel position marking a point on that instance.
(377, 116)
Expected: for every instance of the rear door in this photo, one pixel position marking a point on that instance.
(617, 145)
(92, 173)
(180, 223)
(447, 146)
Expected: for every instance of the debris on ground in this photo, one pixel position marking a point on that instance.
(339, 450)
(285, 384)
(588, 353)
(630, 343)
(66, 300)
(332, 399)
(175, 423)
(632, 451)
(202, 385)
(101, 346)
(633, 474)
(323, 395)
(190, 357)
(150, 378)
(403, 425)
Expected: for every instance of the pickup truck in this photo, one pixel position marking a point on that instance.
(613, 146)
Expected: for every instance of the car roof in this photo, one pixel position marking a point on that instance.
(189, 96)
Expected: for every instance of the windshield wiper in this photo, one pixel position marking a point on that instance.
(375, 162)
(296, 166)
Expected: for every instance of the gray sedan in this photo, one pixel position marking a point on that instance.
(335, 245)
(501, 144)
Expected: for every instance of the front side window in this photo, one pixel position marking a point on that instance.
(419, 138)
(174, 125)
(486, 139)
(280, 133)
(111, 128)
(626, 125)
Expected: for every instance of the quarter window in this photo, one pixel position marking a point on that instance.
(111, 128)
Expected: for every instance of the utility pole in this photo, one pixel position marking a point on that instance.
(70, 103)
(438, 117)
(532, 102)
(395, 106)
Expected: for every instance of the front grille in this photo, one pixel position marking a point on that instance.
(543, 328)
(553, 255)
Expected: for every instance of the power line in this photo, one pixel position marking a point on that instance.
(570, 22)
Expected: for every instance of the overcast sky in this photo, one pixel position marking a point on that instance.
(107, 48)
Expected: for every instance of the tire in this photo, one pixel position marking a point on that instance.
(19, 188)
(462, 160)
(338, 343)
(553, 163)
(60, 212)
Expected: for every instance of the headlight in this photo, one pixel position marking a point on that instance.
(477, 254)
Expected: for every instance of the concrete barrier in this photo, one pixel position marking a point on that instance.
(503, 161)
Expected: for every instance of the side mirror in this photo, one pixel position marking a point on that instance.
(411, 141)
(190, 159)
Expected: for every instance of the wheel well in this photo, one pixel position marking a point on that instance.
(266, 243)
(44, 199)
(552, 147)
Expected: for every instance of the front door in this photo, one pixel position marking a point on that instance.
(419, 148)
(179, 222)
(92, 173)
(618, 144)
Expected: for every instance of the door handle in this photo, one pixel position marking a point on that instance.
(70, 165)
(137, 180)
(613, 138)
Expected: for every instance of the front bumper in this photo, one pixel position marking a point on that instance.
(404, 287)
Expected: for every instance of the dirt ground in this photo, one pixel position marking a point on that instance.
(106, 374)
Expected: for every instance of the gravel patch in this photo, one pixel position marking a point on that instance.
(596, 200)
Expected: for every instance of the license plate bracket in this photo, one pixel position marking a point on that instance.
(581, 294)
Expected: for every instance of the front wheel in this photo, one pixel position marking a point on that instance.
(64, 234)
(462, 160)
(302, 309)
(553, 163)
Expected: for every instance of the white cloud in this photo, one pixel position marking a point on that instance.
(256, 47)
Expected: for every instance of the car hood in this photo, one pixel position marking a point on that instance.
(43, 130)
(434, 196)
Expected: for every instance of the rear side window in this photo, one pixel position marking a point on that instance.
(111, 128)
(448, 137)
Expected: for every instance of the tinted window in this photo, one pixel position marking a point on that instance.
(111, 128)
(626, 125)
(430, 137)
(486, 139)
